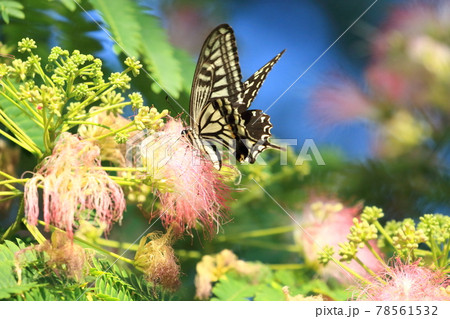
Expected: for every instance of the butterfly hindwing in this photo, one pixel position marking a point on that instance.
(257, 124)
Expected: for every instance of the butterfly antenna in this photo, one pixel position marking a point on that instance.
(168, 102)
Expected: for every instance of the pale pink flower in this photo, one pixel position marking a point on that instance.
(73, 184)
(342, 100)
(408, 282)
(388, 84)
(406, 23)
(403, 23)
(195, 191)
(409, 55)
(409, 60)
(327, 222)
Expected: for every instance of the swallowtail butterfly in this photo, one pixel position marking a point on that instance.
(220, 100)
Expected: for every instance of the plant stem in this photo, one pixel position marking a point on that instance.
(107, 252)
(12, 90)
(46, 122)
(368, 270)
(10, 193)
(8, 198)
(34, 118)
(267, 245)
(41, 72)
(15, 180)
(123, 182)
(73, 123)
(16, 141)
(383, 232)
(351, 271)
(91, 245)
(122, 169)
(377, 256)
(258, 233)
(96, 138)
(6, 175)
(19, 133)
(116, 244)
(182, 253)
(446, 250)
(286, 266)
(34, 232)
(16, 225)
(434, 249)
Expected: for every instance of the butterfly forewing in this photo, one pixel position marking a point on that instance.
(218, 74)
(254, 83)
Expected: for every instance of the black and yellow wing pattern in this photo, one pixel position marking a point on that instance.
(220, 101)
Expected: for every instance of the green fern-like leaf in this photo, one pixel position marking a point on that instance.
(109, 289)
(187, 68)
(109, 285)
(69, 4)
(9, 284)
(159, 56)
(11, 8)
(233, 289)
(114, 283)
(120, 16)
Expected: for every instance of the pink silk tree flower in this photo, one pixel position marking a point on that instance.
(341, 101)
(73, 184)
(195, 192)
(408, 282)
(388, 84)
(407, 22)
(327, 222)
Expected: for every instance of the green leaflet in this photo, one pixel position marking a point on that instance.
(114, 283)
(106, 281)
(235, 287)
(187, 68)
(231, 289)
(69, 4)
(120, 16)
(11, 8)
(138, 32)
(159, 56)
(9, 284)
